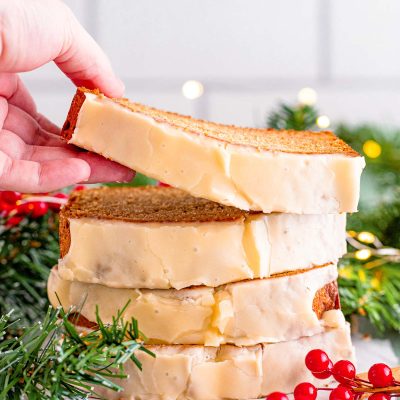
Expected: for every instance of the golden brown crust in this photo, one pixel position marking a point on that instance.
(326, 299)
(64, 234)
(142, 205)
(147, 204)
(70, 123)
(286, 141)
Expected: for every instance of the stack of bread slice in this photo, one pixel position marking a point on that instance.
(232, 277)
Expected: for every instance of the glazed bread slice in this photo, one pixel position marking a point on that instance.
(160, 238)
(229, 372)
(275, 309)
(252, 169)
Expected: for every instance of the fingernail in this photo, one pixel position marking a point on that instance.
(120, 87)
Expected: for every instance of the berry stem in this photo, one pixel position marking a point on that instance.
(392, 390)
(363, 381)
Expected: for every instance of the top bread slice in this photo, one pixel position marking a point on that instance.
(265, 170)
(286, 141)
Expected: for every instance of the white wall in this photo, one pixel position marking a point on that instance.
(249, 54)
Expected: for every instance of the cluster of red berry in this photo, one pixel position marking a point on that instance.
(15, 206)
(379, 386)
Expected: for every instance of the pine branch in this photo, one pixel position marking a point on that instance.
(371, 287)
(381, 177)
(300, 117)
(27, 252)
(52, 360)
(383, 221)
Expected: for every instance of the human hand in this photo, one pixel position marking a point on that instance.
(33, 157)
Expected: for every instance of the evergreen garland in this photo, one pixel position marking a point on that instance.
(52, 360)
(299, 118)
(27, 252)
(371, 291)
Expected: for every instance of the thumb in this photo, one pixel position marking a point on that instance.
(83, 61)
(33, 33)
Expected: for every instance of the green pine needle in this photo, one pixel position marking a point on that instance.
(52, 360)
(300, 117)
(27, 252)
(373, 293)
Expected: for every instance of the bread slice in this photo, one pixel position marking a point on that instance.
(276, 309)
(160, 238)
(257, 169)
(229, 372)
(287, 141)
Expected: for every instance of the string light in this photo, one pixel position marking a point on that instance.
(363, 254)
(323, 121)
(345, 272)
(366, 237)
(372, 149)
(307, 96)
(362, 276)
(376, 281)
(192, 89)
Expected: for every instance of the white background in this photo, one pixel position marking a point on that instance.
(249, 54)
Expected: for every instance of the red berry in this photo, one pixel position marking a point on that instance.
(344, 371)
(5, 208)
(341, 393)
(24, 208)
(380, 375)
(305, 391)
(277, 396)
(11, 197)
(324, 374)
(317, 361)
(57, 206)
(61, 196)
(34, 208)
(379, 396)
(39, 209)
(80, 187)
(14, 221)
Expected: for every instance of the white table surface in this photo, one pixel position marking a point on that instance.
(370, 351)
